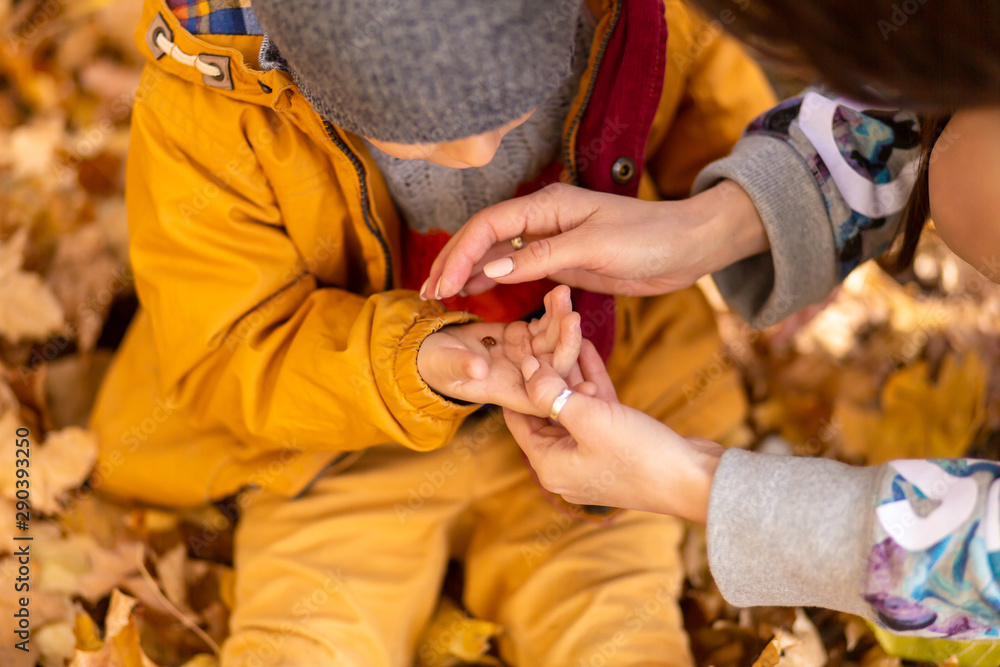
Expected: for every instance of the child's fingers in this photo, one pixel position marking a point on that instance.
(542, 324)
(560, 302)
(516, 342)
(557, 305)
(575, 376)
(592, 367)
(567, 349)
(564, 295)
(586, 388)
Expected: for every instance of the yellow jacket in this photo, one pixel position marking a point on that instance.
(272, 336)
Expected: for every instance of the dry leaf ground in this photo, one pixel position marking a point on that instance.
(889, 369)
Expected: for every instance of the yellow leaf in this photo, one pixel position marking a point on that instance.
(202, 660)
(876, 657)
(919, 417)
(76, 564)
(85, 277)
(58, 465)
(121, 646)
(62, 463)
(157, 521)
(85, 632)
(227, 586)
(33, 146)
(170, 572)
(28, 309)
(453, 638)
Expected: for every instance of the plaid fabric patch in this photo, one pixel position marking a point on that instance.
(216, 17)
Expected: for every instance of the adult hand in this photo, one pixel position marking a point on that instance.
(455, 362)
(604, 453)
(600, 242)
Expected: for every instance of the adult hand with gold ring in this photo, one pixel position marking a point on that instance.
(598, 241)
(603, 453)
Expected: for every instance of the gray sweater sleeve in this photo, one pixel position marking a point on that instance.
(830, 184)
(913, 545)
(789, 531)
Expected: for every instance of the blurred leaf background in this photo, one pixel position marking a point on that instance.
(893, 367)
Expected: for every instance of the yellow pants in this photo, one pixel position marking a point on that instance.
(349, 573)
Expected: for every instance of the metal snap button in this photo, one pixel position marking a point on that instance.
(623, 171)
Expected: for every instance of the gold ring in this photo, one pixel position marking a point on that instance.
(559, 404)
(517, 242)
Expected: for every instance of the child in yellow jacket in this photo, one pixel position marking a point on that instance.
(287, 194)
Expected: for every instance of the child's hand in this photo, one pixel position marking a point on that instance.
(481, 363)
(556, 337)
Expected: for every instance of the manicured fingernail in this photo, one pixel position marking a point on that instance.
(437, 288)
(528, 367)
(499, 267)
(423, 291)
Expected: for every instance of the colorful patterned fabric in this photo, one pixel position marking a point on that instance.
(879, 147)
(216, 17)
(934, 564)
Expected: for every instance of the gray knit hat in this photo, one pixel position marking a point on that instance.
(423, 71)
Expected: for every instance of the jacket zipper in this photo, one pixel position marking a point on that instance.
(366, 213)
(570, 167)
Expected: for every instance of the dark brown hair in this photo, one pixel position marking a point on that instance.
(932, 56)
(918, 208)
(926, 55)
